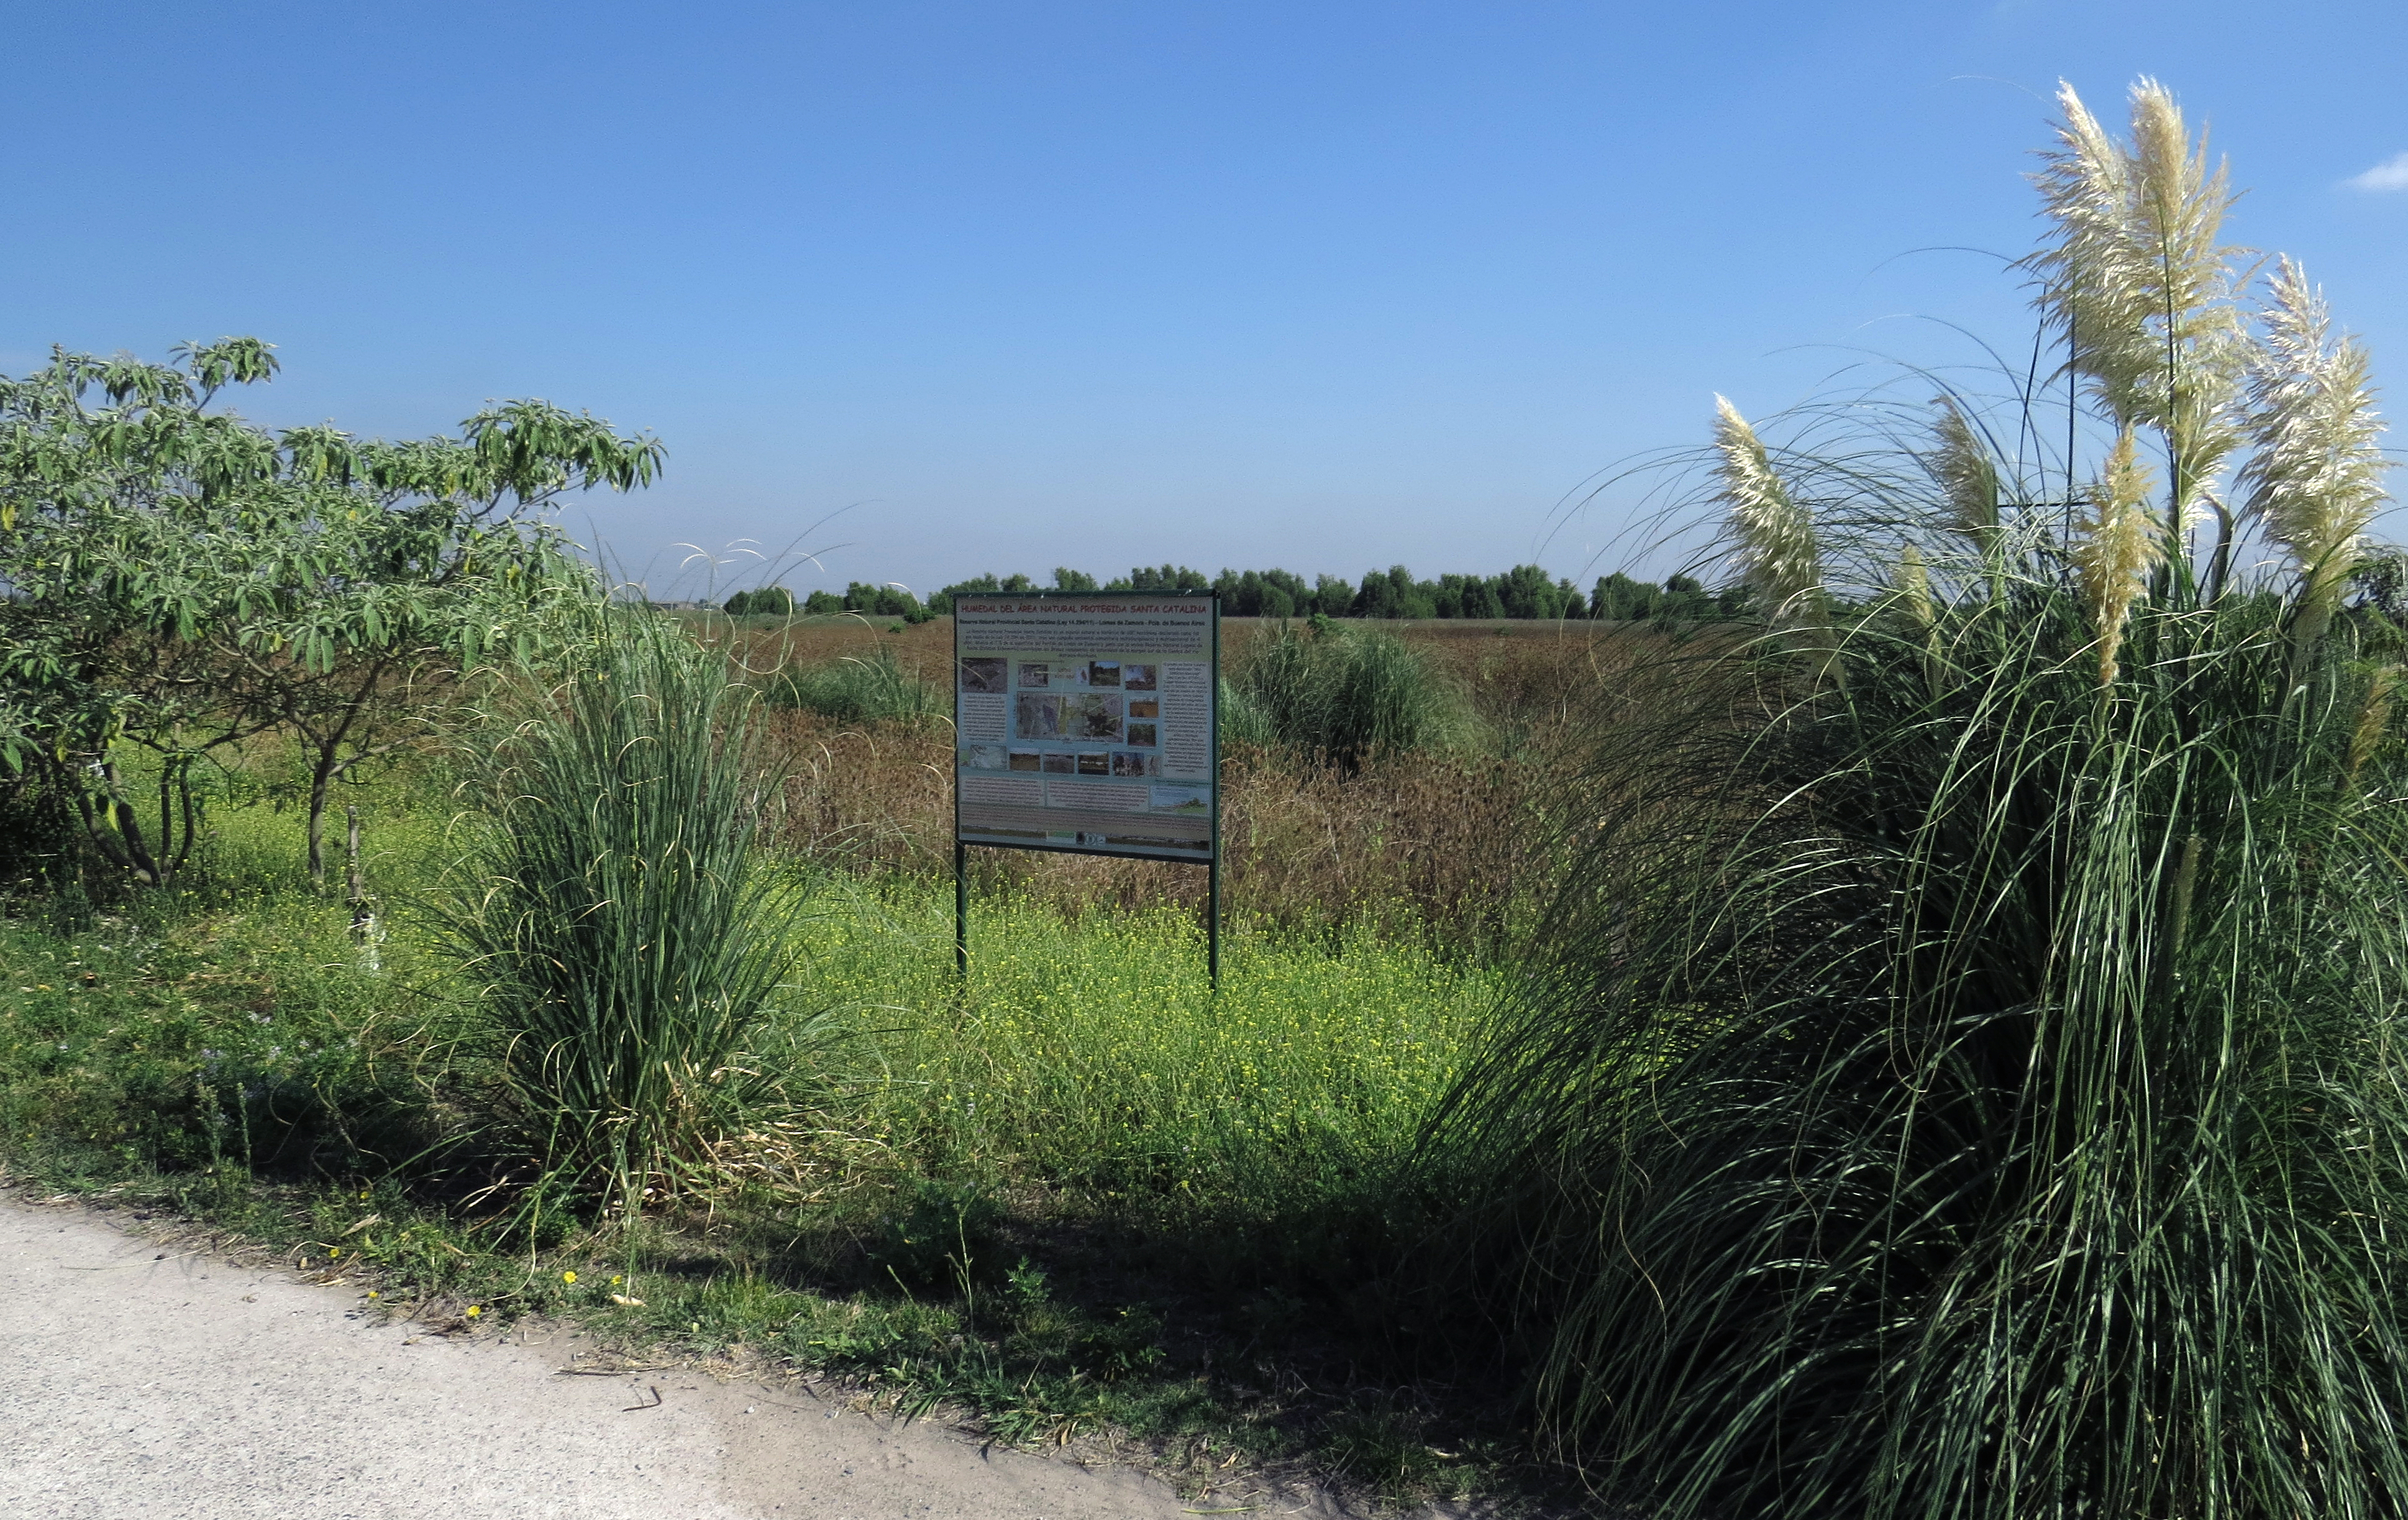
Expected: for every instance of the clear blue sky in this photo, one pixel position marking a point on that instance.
(1326, 286)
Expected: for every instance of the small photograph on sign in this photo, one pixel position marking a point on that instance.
(1103, 672)
(1096, 763)
(986, 757)
(1026, 760)
(1094, 716)
(1061, 764)
(1137, 678)
(1144, 707)
(1037, 717)
(1132, 763)
(1033, 672)
(979, 674)
(1141, 734)
(1180, 799)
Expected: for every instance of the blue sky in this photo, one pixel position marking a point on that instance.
(1023, 284)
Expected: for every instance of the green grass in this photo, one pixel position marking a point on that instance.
(1079, 1193)
(858, 688)
(1093, 1053)
(1347, 693)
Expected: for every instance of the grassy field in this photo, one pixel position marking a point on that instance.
(1078, 1192)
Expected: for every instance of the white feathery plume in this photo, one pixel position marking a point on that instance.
(2118, 547)
(2374, 717)
(1913, 583)
(2092, 276)
(1965, 474)
(1777, 536)
(2315, 476)
(2138, 280)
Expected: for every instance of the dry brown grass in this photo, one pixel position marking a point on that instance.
(1455, 844)
(1461, 845)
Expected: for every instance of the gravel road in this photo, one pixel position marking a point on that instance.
(146, 1383)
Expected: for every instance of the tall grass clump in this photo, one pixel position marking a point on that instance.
(858, 688)
(623, 932)
(1966, 1077)
(1345, 694)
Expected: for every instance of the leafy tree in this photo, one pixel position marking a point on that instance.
(766, 601)
(1621, 599)
(1146, 577)
(184, 578)
(1526, 591)
(1686, 600)
(885, 601)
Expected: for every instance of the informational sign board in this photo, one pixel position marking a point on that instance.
(1088, 721)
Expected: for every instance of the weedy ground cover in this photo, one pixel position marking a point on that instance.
(1078, 1193)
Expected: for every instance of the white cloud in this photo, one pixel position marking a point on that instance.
(2391, 174)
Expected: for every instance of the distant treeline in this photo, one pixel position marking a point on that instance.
(1525, 590)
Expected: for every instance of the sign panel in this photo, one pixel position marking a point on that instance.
(1088, 721)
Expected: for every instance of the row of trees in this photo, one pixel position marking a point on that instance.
(884, 601)
(180, 582)
(1525, 590)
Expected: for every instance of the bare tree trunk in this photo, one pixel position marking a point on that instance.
(127, 846)
(330, 765)
(355, 886)
(321, 779)
(364, 920)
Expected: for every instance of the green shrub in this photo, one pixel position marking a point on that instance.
(859, 688)
(763, 601)
(1345, 694)
(623, 930)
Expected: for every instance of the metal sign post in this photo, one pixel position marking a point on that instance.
(1088, 722)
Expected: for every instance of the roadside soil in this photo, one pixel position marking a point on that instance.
(147, 1378)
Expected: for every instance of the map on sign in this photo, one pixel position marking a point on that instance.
(1087, 722)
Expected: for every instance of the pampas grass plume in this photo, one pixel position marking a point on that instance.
(2116, 549)
(1777, 536)
(2316, 478)
(2373, 718)
(1963, 470)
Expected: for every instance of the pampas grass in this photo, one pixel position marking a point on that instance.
(1966, 475)
(624, 934)
(2118, 547)
(1973, 1087)
(2141, 285)
(2317, 476)
(1779, 557)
